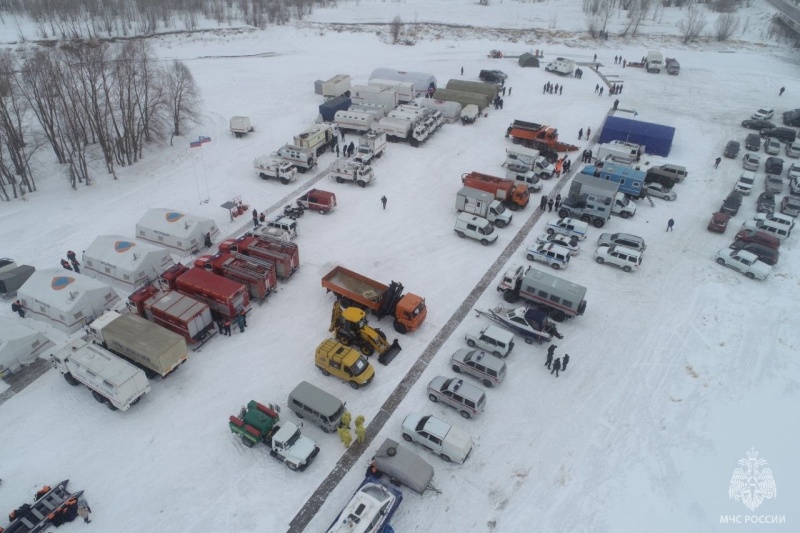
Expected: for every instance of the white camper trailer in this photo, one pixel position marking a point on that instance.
(181, 232)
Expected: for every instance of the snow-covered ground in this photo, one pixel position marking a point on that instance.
(676, 371)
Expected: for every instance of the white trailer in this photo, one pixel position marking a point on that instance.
(240, 126)
(112, 380)
(377, 112)
(451, 111)
(483, 204)
(303, 159)
(420, 128)
(318, 138)
(370, 94)
(561, 66)
(336, 86)
(405, 89)
(269, 167)
(344, 170)
(370, 146)
(354, 120)
(401, 130)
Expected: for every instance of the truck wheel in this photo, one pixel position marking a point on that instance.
(137, 400)
(624, 214)
(445, 457)
(484, 242)
(322, 211)
(69, 378)
(263, 176)
(586, 218)
(301, 170)
(291, 466)
(465, 414)
(550, 231)
(749, 274)
(298, 415)
(471, 343)
(407, 437)
(99, 397)
(500, 224)
(598, 223)
(456, 369)
(460, 234)
(558, 316)
(513, 207)
(362, 183)
(721, 261)
(339, 179)
(626, 268)
(563, 213)
(555, 266)
(354, 385)
(367, 350)
(111, 405)
(324, 372)
(600, 260)
(247, 442)
(285, 181)
(487, 383)
(433, 398)
(530, 257)
(528, 340)
(149, 374)
(344, 339)
(400, 328)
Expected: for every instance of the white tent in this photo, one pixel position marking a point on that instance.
(64, 299)
(177, 231)
(124, 263)
(19, 344)
(421, 80)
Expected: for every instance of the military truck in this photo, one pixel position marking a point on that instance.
(258, 423)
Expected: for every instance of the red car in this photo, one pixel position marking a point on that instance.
(719, 222)
(758, 237)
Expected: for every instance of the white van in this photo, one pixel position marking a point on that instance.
(312, 403)
(776, 218)
(620, 150)
(779, 231)
(676, 172)
(475, 227)
(492, 339)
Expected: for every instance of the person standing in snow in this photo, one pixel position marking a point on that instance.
(543, 203)
(564, 362)
(17, 308)
(350, 149)
(588, 135)
(550, 203)
(65, 265)
(717, 161)
(601, 91)
(580, 134)
(670, 224)
(556, 366)
(383, 201)
(549, 359)
(509, 91)
(616, 104)
(560, 90)
(255, 218)
(558, 200)
(780, 93)
(337, 150)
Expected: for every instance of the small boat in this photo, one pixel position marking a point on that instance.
(370, 509)
(531, 324)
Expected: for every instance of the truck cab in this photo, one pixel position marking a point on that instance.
(335, 359)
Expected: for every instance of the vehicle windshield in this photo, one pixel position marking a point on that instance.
(500, 209)
(418, 309)
(359, 366)
(488, 230)
(292, 439)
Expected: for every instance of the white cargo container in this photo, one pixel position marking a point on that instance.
(354, 120)
(451, 111)
(336, 86)
(112, 380)
(370, 94)
(405, 89)
(240, 126)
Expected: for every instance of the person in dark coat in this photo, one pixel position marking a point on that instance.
(383, 201)
(337, 149)
(717, 161)
(564, 362)
(567, 165)
(509, 91)
(550, 203)
(616, 104)
(243, 314)
(556, 366)
(239, 322)
(560, 90)
(551, 350)
(226, 325)
(208, 240)
(780, 93)
(504, 91)
(462, 71)
(341, 133)
(549, 359)
(350, 149)
(580, 134)
(588, 135)
(558, 200)
(65, 265)
(543, 203)
(601, 91)
(220, 327)
(596, 88)
(255, 218)
(670, 224)
(624, 62)
(501, 103)
(17, 308)
(72, 258)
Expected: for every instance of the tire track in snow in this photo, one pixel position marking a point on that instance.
(348, 460)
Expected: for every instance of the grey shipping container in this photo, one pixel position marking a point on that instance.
(489, 89)
(13, 279)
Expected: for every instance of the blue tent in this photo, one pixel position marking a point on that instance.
(656, 138)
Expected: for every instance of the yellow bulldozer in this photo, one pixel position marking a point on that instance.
(349, 326)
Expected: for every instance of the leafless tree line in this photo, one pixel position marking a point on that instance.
(87, 101)
(69, 19)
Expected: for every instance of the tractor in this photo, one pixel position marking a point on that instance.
(349, 326)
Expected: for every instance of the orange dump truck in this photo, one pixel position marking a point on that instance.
(513, 195)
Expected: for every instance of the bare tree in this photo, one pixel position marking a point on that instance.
(725, 26)
(182, 96)
(396, 27)
(692, 26)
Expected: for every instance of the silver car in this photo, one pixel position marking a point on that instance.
(773, 184)
(772, 146)
(467, 399)
(790, 205)
(622, 239)
(490, 370)
(659, 191)
(751, 162)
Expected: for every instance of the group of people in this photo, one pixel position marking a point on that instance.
(557, 364)
(344, 429)
(578, 74)
(588, 134)
(71, 263)
(587, 154)
(498, 102)
(348, 148)
(619, 61)
(552, 88)
(224, 324)
(615, 89)
(548, 204)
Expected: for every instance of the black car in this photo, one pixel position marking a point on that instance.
(765, 253)
(752, 142)
(732, 149)
(773, 165)
(786, 135)
(732, 203)
(495, 76)
(757, 124)
(792, 118)
(765, 203)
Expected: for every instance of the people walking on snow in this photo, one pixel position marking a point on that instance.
(580, 134)
(670, 224)
(73, 259)
(596, 88)
(549, 359)
(717, 161)
(509, 91)
(780, 93)
(601, 91)
(383, 201)
(255, 218)
(588, 135)
(65, 265)
(567, 164)
(550, 203)
(564, 362)
(543, 202)
(616, 104)
(17, 308)
(556, 366)
(624, 62)
(351, 148)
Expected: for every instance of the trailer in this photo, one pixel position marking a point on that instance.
(224, 296)
(284, 255)
(403, 466)
(318, 200)
(113, 381)
(353, 289)
(174, 311)
(152, 348)
(240, 126)
(327, 110)
(303, 159)
(385, 97)
(338, 85)
(530, 324)
(405, 89)
(259, 278)
(318, 139)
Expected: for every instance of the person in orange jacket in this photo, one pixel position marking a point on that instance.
(559, 164)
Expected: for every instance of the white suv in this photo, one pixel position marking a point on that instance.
(627, 259)
(446, 441)
(550, 254)
(746, 182)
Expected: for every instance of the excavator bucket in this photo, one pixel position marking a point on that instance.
(563, 147)
(386, 357)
